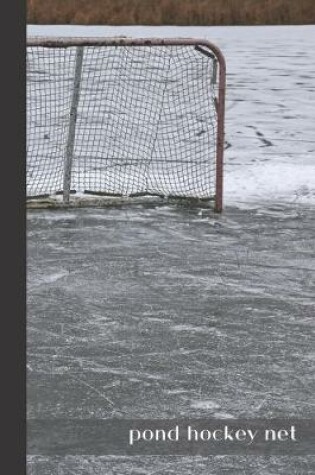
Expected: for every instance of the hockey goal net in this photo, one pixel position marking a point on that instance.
(125, 117)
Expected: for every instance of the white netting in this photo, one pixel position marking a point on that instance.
(145, 120)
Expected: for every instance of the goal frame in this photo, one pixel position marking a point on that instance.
(67, 42)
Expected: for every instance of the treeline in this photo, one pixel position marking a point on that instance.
(171, 12)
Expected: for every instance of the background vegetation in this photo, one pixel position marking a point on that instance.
(171, 12)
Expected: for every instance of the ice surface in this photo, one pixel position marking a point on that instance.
(169, 311)
(161, 312)
(270, 111)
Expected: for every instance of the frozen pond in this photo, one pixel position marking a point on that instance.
(151, 311)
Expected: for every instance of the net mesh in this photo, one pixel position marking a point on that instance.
(143, 120)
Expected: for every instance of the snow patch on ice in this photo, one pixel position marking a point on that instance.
(192, 328)
(223, 415)
(205, 405)
(274, 182)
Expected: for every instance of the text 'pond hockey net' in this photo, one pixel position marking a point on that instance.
(123, 117)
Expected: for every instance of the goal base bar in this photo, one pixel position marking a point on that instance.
(101, 200)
